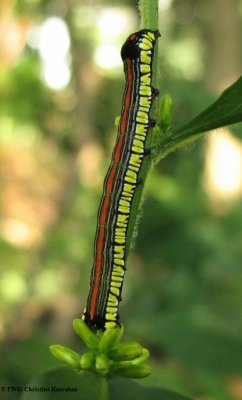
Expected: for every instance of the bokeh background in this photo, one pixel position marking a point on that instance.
(61, 84)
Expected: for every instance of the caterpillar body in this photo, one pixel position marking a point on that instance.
(121, 181)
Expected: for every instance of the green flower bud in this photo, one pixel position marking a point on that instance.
(126, 351)
(86, 334)
(165, 112)
(138, 372)
(102, 364)
(110, 338)
(143, 357)
(65, 355)
(131, 371)
(88, 361)
(135, 361)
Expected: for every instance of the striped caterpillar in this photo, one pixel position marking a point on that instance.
(121, 181)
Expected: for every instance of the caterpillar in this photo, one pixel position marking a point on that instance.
(121, 181)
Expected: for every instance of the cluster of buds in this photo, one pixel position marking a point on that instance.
(107, 356)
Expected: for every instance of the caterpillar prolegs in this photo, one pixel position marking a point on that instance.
(120, 183)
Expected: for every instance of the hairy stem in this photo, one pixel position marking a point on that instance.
(148, 20)
(148, 14)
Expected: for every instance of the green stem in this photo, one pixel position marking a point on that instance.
(148, 20)
(148, 14)
(104, 389)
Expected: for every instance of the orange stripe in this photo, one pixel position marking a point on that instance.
(103, 213)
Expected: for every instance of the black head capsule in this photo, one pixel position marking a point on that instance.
(131, 48)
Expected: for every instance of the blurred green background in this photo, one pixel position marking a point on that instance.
(61, 84)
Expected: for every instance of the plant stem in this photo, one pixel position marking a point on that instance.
(104, 389)
(148, 20)
(148, 14)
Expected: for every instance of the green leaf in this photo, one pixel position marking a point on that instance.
(89, 386)
(197, 346)
(124, 389)
(86, 386)
(226, 110)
